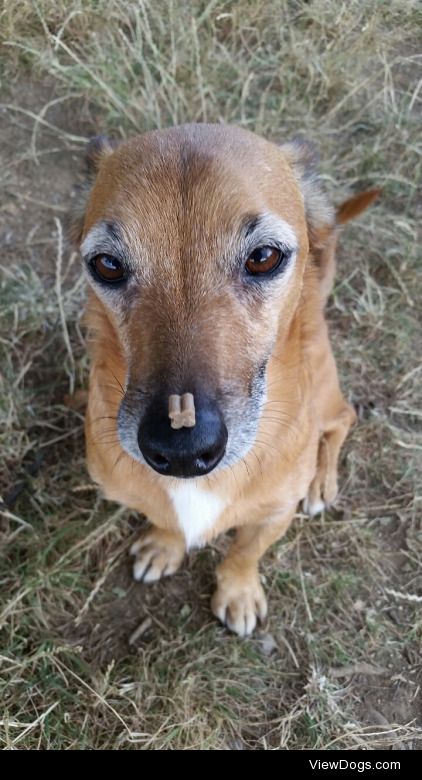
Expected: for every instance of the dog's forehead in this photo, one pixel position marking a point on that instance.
(194, 179)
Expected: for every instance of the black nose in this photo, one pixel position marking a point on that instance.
(186, 452)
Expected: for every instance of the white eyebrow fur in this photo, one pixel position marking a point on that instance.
(101, 238)
(272, 227)
(269, 226)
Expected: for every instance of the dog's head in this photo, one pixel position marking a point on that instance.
(195, 241)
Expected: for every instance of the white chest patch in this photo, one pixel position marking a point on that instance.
(196, 509)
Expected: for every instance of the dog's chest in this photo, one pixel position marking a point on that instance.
(196, 509)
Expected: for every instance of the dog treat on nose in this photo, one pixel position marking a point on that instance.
(182, 411)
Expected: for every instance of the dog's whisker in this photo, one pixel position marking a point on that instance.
(266, 418)
(266, 444)
(119, 383)
(246, 467)
(123, 454)
(105, 417)
(110, 444)
(233, 473)
(252, 452)
(110, 386)
(104, 432)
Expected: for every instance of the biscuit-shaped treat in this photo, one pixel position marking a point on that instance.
(182, 411)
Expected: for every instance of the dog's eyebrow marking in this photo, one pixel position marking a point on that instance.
(114, 231)
(250, 223)
(104, 238)
(266, 227)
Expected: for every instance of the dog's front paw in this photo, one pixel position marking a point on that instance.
(323, 488)
(239, 601)
(314, 504)
(321, 494)
(158, 554)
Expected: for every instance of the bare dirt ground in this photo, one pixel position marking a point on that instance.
(339, 663)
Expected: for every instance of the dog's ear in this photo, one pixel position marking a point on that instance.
(321, 218)
(354, 206)
(97, 150)
(320, 215)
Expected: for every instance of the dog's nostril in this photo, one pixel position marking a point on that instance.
(207, 457)
(160, 460)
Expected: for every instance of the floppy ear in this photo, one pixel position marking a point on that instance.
(320, 215)
(97, 150)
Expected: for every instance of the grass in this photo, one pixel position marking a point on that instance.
(338, 665)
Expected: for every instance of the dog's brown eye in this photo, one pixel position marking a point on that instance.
(263, 260)
(108, 268)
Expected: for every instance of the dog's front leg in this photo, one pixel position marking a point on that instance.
(158, 553)
(323, 488)
(240, 599)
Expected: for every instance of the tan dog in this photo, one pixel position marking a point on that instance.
(210, 254)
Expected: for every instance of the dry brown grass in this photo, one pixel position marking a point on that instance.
(338, 665)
